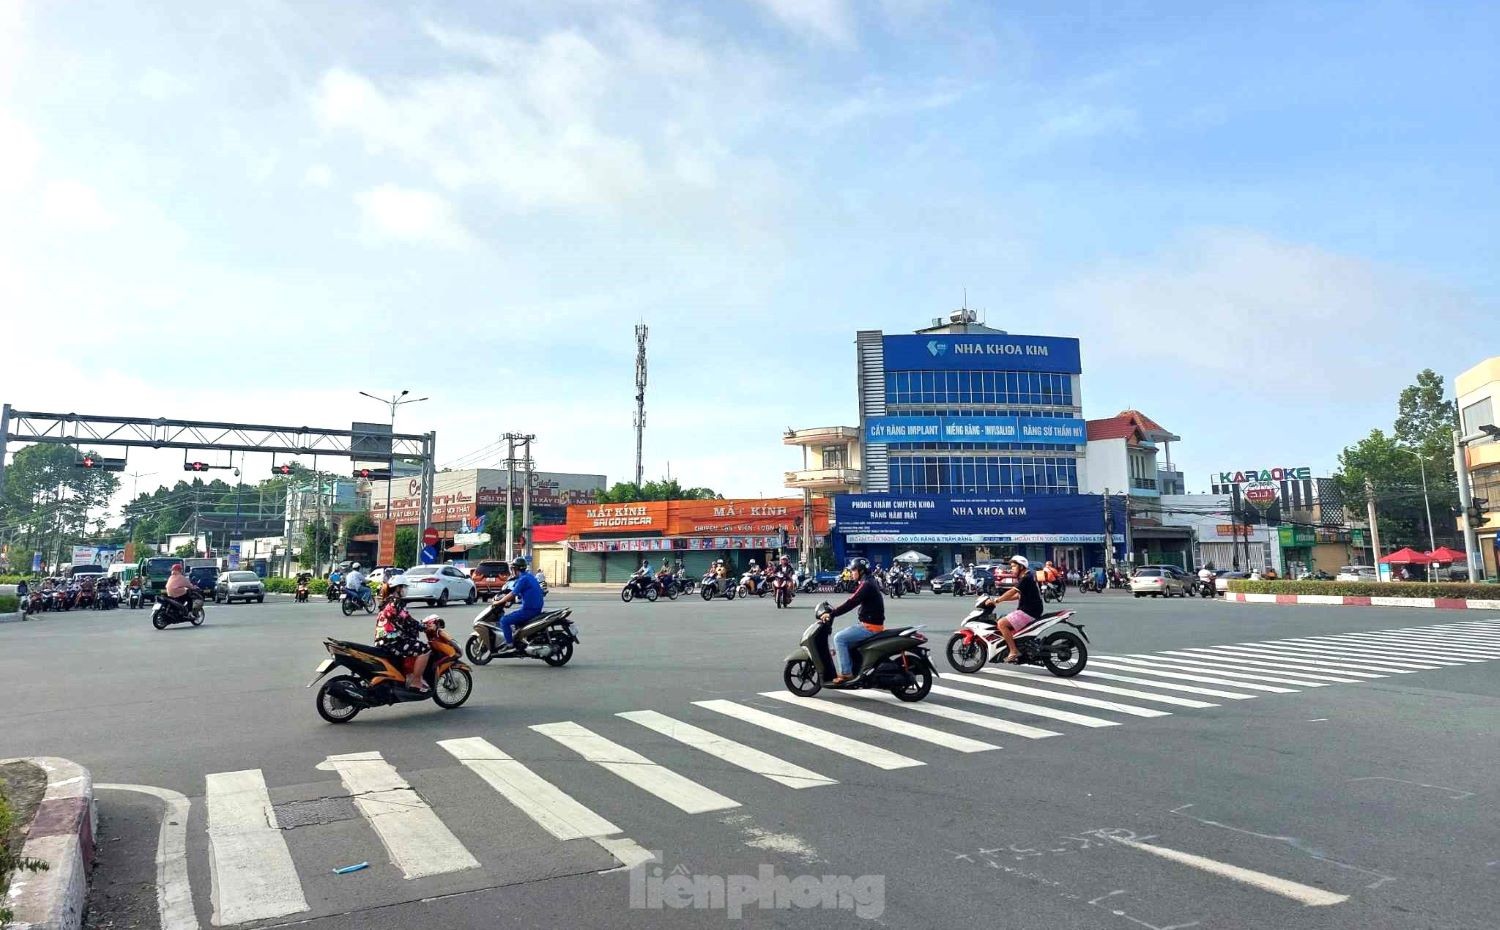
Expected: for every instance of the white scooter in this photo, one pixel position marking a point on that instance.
(977, 642)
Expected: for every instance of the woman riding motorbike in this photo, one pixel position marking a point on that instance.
(398, 631)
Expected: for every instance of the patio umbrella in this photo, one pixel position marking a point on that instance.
(913, 556)
(1407, 556)
(1445, 555)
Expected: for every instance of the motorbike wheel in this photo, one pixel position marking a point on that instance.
(347, 607)
(627, 595)
(452, 688)
(333, 708)
(671, 592)
(1075, 655)
(652, 595)
(197, 616)
(918, 689)
(708, 592)
(158, 620)
(729, 593)
(478, 650)
(966, 658)
(370, 605)
(801, 678)
(562, 651)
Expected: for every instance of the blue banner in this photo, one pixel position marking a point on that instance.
(975, 518)
(1051, 431)
(981, 352)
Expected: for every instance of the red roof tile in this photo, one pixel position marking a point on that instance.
(1126, 424)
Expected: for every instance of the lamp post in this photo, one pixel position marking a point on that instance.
(1422, 463)
(398, 400)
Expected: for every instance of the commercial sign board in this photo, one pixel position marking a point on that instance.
(1293, 536)
(640, 517)
(975, 518)
(740, 517)
(1052, 431)
(543, 494)
(95, 555)
(1248, 475)
(972, 352)
(1261, 494)
(1234, 529)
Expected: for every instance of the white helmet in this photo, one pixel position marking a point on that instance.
(356, 566)
(1020, 560)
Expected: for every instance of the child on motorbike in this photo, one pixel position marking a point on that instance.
(398, 631)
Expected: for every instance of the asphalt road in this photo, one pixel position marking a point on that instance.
(1360, 797)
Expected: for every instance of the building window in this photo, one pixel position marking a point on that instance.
(979, 388)
(834, 457)
(944, 473)
(1481, 413)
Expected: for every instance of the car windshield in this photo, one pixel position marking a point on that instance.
(1148, 573)
(161, 566)
(417, 570)
(243, 576)
(88, 570)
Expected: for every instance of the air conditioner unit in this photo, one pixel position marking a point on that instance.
(963, 316)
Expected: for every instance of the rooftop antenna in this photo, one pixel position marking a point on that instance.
(640, 396)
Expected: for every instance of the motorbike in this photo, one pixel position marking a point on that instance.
(377, 676)
(1052, 591)
(136, 597)
(977, 642)
(300, 596)
(895, 660)
(1208, 588)
(106, 598)
(783, 588)
(38, 602)
(640, 586)
(335, 591)
(550, 636)
(753, 585)
(167, 611)
(355, 600)
(683, 583)
(711, 587)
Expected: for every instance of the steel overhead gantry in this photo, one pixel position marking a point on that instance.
(162, 433)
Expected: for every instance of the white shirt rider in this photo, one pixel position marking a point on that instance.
(354, 581)
(1205, 574)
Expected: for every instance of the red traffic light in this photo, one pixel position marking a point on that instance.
(195, 466)
(88, 461)
(282, 470)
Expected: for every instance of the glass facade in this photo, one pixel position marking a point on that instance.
(937, 474)
(982, 388)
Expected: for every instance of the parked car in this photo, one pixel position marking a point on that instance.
(1158, 581)
(239, 586)
(204, 577)
(1221, 581)
(487, 576)
(438, 585)
(1357, 573)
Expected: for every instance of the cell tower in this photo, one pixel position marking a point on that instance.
(640, 396)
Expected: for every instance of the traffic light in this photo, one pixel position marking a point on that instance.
(1479, 507)
(195, 466)
(373, 474)
(104, 464)
(282, 471)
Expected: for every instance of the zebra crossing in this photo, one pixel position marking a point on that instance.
(788, 744)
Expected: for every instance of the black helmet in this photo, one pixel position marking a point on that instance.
(518, 563)
(862, 565)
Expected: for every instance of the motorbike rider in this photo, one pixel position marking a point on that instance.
(355, 582)
(1028, 611)
(178, 587)
(782, 572)
(1206, 580)
(398, 631)
(871, 604)
(753, 577)
(524, 588)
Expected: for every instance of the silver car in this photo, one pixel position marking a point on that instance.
(239, 586)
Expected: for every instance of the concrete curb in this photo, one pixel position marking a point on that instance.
(61, 835)
(1337, 600)
(11, 618)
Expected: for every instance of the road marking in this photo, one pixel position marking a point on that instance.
(677, 790)
(1296, 666)
(1448, 646)
(1230, 662)
(252, 871)
(1185, 689)
(1305, 895)
(1079, 699)
(761, 763)
(1074, 683)
(1379, 662)
(418, 843)
(824, 739)
(174, 893)
(1221, 668)
(955, 713)
(1036, 710)
(903, 727)
(1458, 640)
(1145, 668)
(1377, 652)
(1291, 656)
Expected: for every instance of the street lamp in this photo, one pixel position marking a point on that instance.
(398, 400)
(1431, 539)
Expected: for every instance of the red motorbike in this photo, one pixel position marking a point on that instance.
(783, 587)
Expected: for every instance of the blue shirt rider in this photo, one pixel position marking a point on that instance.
(525, 589)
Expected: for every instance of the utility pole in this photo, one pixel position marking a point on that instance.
(1465, 502)
(1109, 533)
(526, 498)
(1374, 527)
(807, 531)
(640, 396)
(510, 496)
(399, 400)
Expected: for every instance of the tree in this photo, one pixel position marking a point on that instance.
(406, 546)
(185, 551)
(628, 492)
(316, 540)
(48, 497)
(354, 525)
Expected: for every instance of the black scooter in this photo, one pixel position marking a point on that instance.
(894, 660)
(168, 611)
(335, 591)
(550, 636)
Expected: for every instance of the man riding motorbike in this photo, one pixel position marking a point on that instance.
(524, 588)
(355, 582)
(1030, 608)
(871, 616)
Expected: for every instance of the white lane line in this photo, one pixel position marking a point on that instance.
(1036, 710)
(833, 742)
(1377, 660)
(1229, 670)
(957, 714)
(1380, 651)
(1305, 895)
(1082, 701)
(761, 763)
(1074, 683)
(882, 722)
(1238, 664)
(174, 893)
(677, 790)
(1290, 663)
(419, 844)
(1168, 686)
(1290, 656)
(1183, 676)
(252, 871)
(553, 809)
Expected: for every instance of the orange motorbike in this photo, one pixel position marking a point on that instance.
(377, 676)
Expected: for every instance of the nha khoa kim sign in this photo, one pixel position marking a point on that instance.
(1284, 473)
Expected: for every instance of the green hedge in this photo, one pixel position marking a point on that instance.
(17, 579)
(9, 604)
(318, 586)
(1455, 589)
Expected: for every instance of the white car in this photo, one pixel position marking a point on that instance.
(1357, 573)
(238, 585)
(437, 585)
(1158, 581)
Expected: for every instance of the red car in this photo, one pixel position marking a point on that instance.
(489, 577)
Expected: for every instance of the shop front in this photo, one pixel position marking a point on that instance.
(954, 529)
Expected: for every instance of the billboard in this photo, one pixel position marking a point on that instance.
(742, 517)
(95, 555)
(971, 352)
(1052, 431)
(975, 518)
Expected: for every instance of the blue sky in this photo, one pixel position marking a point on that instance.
(1261, 219)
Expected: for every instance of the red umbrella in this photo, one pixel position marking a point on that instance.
(1445, 555)
(1407, 556)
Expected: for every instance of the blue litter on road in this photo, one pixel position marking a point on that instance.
(351, 868)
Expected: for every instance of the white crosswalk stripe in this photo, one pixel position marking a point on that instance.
(677, 790)
(1455, 639)
(1036, 710)
(1064, 698)
(251, 869)
(1166, 685)
(882, 722)
(553, 809)
(1074, 683)
(1144, 668)
(753, 760)
(824, 739)
(1378, 661)
(1451, 647)
(1377, 651)
(956, 714)
(1239, 665)
(1350, 667)
(1289, 663)
(1227, 669)
(417, 841)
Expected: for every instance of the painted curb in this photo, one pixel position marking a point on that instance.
(1336, 600)
(62, 835)
(11, 618)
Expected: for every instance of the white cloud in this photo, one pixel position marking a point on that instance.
(831, 20)
(404, 215)
(74, 206)
(318, 176)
